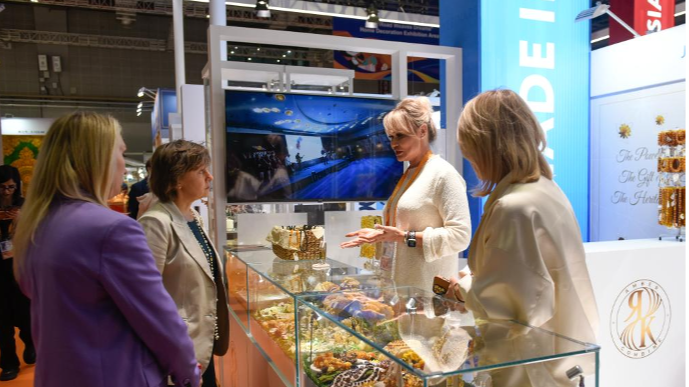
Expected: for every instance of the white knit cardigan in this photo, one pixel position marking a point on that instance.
(435, 203)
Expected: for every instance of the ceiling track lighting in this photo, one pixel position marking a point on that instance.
(601, 9)
(144, 91)
(372, 20)
(262, 9)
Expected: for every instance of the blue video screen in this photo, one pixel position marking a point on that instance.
(297, 148)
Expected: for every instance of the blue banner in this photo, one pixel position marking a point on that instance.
(535, 48)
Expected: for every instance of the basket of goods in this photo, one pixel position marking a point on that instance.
(294, 243)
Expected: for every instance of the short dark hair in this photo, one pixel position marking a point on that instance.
(170, 162)
(8, 172)
(148, 164)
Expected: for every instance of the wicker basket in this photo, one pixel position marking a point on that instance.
(310, 247)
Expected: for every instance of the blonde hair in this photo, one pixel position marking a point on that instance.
(75, 161)
(500, 135)
(409, 115)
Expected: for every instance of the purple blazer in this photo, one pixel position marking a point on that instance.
(99, 312)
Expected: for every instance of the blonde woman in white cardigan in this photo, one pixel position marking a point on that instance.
(426, 219)
(526, 261)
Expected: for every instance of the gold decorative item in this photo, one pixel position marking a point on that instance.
(368, 250)
(625, 131)
(672, 169)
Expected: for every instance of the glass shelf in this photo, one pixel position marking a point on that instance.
(304, 315)
(406, 337)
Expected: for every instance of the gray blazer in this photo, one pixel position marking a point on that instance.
(187, 277)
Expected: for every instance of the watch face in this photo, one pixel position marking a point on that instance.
(411, 242)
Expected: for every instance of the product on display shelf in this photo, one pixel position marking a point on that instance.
(397, 327)
(368, 250)
(296, 243)
(672, 181)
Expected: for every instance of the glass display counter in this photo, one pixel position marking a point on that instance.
(263, 290)
(404, 337)
(328, 324)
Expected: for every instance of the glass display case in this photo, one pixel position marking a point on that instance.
(404, 337)
(327, 324)
(263, 290)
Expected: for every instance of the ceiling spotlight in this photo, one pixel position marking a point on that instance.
(232, 52)
(249, 59)
(601, 9)
(278, 60)
(138, 113)
(208, 16)
(262, 9)
(147, 92)
(140, 105)
(372, 21)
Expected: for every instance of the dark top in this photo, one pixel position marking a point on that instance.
(6, 223)
(136, 190)
(207, 250)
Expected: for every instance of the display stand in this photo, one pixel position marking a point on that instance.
(216, 76)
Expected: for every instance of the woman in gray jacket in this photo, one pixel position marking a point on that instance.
(185, 256)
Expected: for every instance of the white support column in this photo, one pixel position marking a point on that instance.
(178, 29)
(218, 14)
(218, 197)
(400, 86)
(453, 107)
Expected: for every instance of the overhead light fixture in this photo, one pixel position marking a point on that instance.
(262, 9)
(372, 21)
(138, 113)
(431, 23)
(147, 92)
(602, 38)
(602, 9)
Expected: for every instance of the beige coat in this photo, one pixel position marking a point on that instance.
(527, 263)
(187, 277)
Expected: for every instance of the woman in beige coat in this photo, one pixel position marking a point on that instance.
(190, 265)
(526, 260)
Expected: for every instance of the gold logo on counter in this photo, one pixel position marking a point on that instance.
(640, 319)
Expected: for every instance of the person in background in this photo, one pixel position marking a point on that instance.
(190, 265)
(426, 219)
(14, 306)
(136, 190)
(100, 314)
(526, 260)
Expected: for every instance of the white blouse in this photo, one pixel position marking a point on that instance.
(435, 203)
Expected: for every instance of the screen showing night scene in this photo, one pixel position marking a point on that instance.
(296, 147)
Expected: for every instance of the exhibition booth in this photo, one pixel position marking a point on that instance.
(314, 165)
(300, 158)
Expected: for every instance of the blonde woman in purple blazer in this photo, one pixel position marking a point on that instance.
(100, 314)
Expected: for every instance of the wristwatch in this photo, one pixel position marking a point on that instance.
(411, 239)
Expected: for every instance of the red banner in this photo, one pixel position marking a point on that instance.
(653, 15)
(642, 15)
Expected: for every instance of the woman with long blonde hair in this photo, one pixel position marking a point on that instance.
(100, 313)
(526, 261)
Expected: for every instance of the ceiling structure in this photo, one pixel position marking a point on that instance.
(126, 10)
